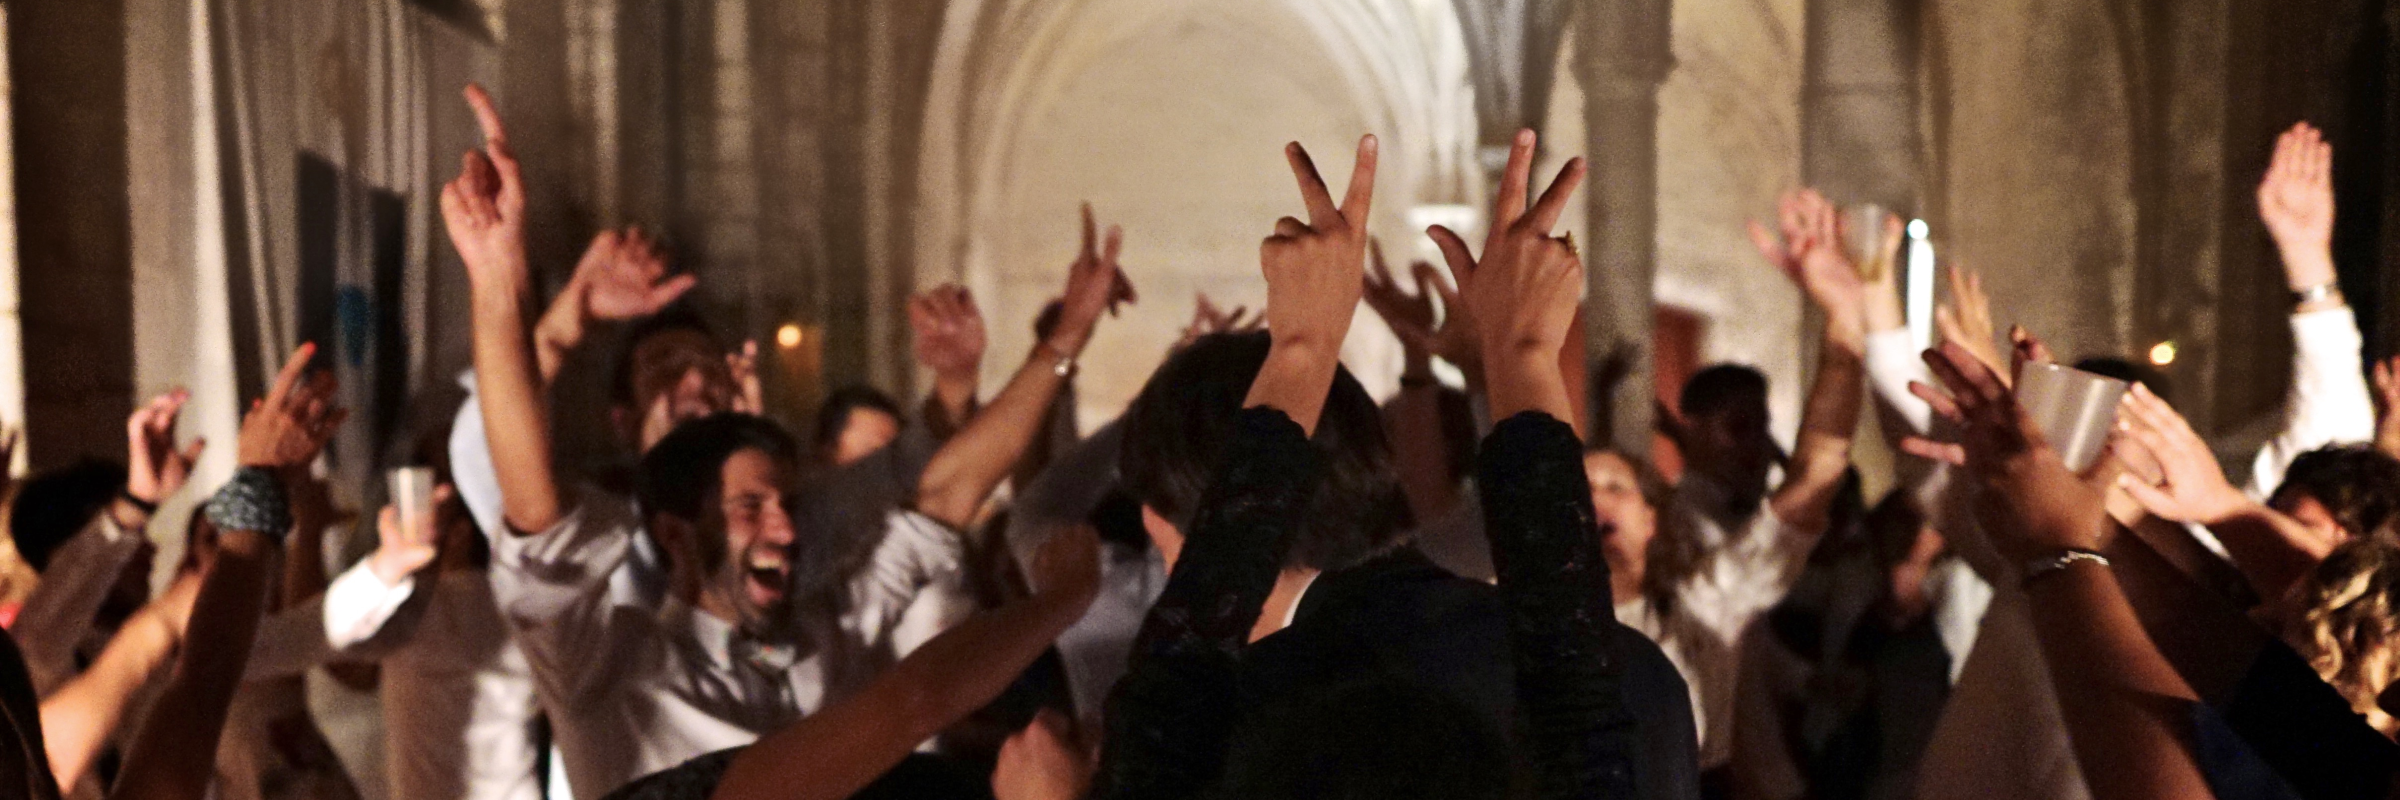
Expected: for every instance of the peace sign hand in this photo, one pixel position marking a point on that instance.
(1529, 283)
(1316, 270)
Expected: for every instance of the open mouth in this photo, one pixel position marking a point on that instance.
(766, 573)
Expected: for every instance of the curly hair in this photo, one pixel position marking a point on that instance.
(2350, 628)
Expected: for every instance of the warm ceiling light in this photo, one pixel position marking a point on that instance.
(789, 336)
(2163, 353)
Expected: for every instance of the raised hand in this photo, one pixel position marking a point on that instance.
(1208, 320)
(1966, 318)
(1813, 255)
(289, 426)
(750, 396)
(1525, 289)
(154, 469)
(402, 550)
(949, 334)
(484, 208)
(2387, 396)
(2295, 200)
(2194, 488)
(1096, 284)
(629, 280)
(1410, 316)
(2031, 505)
(1315, 270)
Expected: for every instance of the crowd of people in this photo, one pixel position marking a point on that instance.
(1259, 582)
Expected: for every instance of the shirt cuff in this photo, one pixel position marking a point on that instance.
(358, 603)
(1893, 359)
(2330, 332)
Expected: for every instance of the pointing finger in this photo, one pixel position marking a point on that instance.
(487, 116)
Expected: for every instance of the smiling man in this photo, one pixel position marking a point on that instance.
(742, 641)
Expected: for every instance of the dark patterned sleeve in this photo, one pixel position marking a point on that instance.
(1168, 722)
(1537, 508)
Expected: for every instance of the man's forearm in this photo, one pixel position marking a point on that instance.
(2272, 550)
(515, 422)
(967, 467)
(1827, 424)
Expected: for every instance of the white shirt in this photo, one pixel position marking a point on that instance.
(458, 697)
(2328, 403)
(634, 689)
(1747, 569)
(1687, 644)
(642, 580)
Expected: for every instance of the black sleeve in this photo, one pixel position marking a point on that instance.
(1168, 722)
(1554, 584)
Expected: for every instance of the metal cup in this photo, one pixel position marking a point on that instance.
(2075, 409)
(412, 494)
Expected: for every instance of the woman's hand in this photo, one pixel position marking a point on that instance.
(2029, 503)
(289, 426)
(1525, 289)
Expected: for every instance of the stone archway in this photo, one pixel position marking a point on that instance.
(1168, 116)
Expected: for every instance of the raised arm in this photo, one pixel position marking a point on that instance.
(947, 331)
(1545, 537)
(836, 752)
(80, 718)
(173, 754)
(1170, 719)
(963, 473)
(1829, 419)
(2273, 551)
(65, 604)
(2328, 401)
(484, 211)
(622, 276)
(1315, 276)
(2126, 708)
(1421, 447)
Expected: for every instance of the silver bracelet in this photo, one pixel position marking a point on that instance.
(1066, 363)
(2318, 293)
(2061, 560)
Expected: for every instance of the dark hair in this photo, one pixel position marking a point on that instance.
(1380, 739)
(1716, 388)
(678, 317)
(2357, 484)
(834, 415)
(2127, 371)
(52, 506)
(680, 476)
(1177, 428)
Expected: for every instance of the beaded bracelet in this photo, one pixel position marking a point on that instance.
(252, 501)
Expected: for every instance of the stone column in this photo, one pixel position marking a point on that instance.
(1622, 57)
(67, 66)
